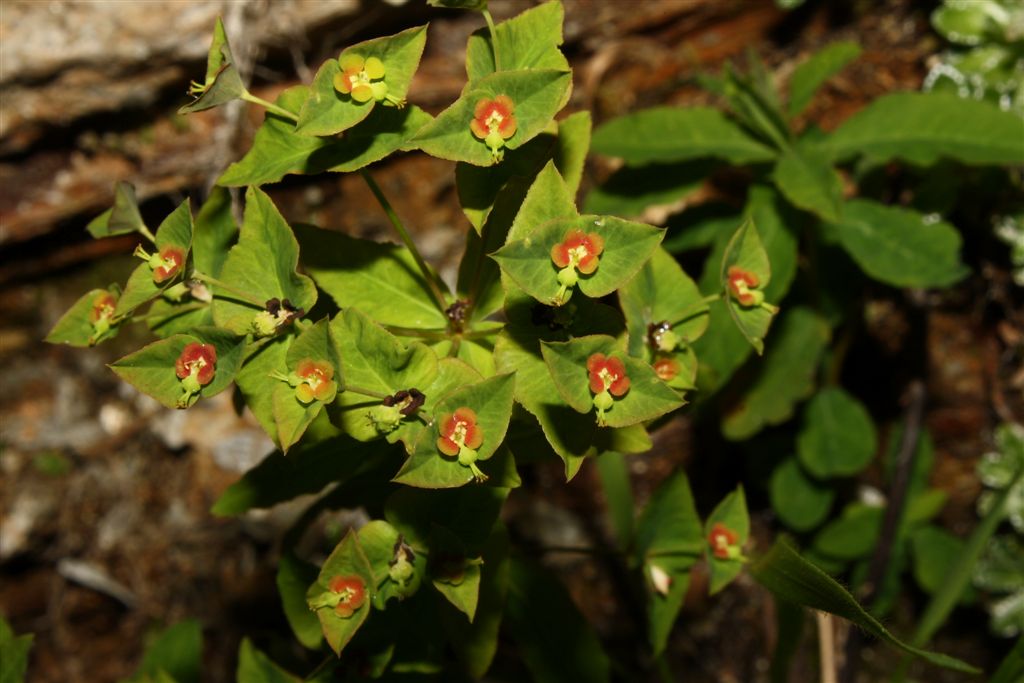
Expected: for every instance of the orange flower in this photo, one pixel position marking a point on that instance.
(197, 360)
(578, 250)
(723, 542)
(742, 284)
(352, 592)
(102, 307)
(494, 122)
(357, 78)
(666, 368)
(607, 374)
(316, 381)
(167, 264)
(459, 430)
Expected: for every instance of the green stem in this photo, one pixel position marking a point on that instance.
(144, 231)
(184, 308)
(698, 308)
(428, 277)
(269, 106)
(233, 291)
(365, 392)
(494, 37)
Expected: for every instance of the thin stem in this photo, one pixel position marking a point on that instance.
(494, 38)
(365, 392)
(233, 291)
(144, 231)
(826, 647)
(428, 277)
(269, 106)
(698, 308)
(185, 308)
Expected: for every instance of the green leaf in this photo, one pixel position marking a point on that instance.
(669, 538)
(151, 369)
(223, 82)
(555, 641)
(970, 23)
(661, 292)
(292, 416)
(13, 654)
(648, 396)
(491, 400)
(724, 348)
(921, 128)
(573, 144)
(469, 513)
(838, 438)
(1012, 667)
(327, 111)
(381, 541)
(853, 535)
(809, 75)
(537, 95)
(256, 667)
(627, 246)
(176, 651)
(347, 559)
(792, 578)
(528, 40)
(76, 328)
(746, 251)
(380, 279)
(808, 181)
(702, 226)
(671, 134)
(464, 592)
(294, 576)
(307, 469)
(124, 217)
(631, 190)
(377, 361)
(278, 149)
(547, 199)
(755, 101)
(479, 280)
(256, 384)
(174, 231)
(784, 378)
(900, 247)
(479, 5)
(732, 513)
(934, 551)
(800, 502)
(618, 493)
(263, 265)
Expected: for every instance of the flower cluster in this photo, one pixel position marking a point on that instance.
(578, 251)
(494, 122)
(195, 368)
(608, 381)
(742, 286)
(363, 80)
(460, 436)
(724, 542)
(315, 381)
(346, 594)
(165, 264)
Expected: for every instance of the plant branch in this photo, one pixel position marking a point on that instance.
(696, 309)
(428, 277)
(494, 37)
(826, 647)
(269, 106)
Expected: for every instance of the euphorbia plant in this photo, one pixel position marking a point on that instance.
(565, 335)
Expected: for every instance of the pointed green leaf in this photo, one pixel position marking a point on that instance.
(459, 4)
(784, 378)
(800, 502)
(555, 641)
(670, 134)
(327, 111)
(262, 265)
(809, 75)
(808, 181)
(151, 369)
(491, 400)
(76, 327)
(648, 396)
(627, 246)
(13, 654)
(923, 127)
(223, 82)
(838, 437)
(669, 539)
(292, 416)
(662, 293)
(852, 535)
(632, 190)
(256, 667)
(256, 384)
(529, 40)
(380, 279)
(175, 652)
(899, 246)
(746, 251)
(377, 361)
(379, 540)
(294, 577)
(124, 217)
(547, 199)
(537, 95)
(346, 560)
(792, 578)
(463, 591)
(732, 513)
(174, 231)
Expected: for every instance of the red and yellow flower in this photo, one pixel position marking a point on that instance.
(315, 381)
(608, 381)
(666, 368)
(165, 264)
(742, 286)
(350, 592)
(578, 251)
(195, 367)
(494, 122)
(101, 315)
(724, 542)
(360, 77)
(460, 436)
